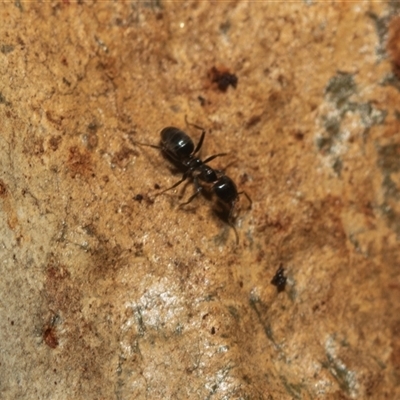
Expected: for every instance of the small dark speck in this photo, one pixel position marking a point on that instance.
(254, 120)
(6, 48)
(338, 166)
(3, 189)
(149, 201)
(223, 79)
(298, 135)
(202, 100)
(212, 331)
(157, 186)
(12, 323)
(93, 126)
(225, 26)
(50, 338)
(279, 279)
(138, 197)
(66, 81)
(3, 99)
(54, 142)
(18, 4)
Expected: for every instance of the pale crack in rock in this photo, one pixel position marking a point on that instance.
(344, 376)
(158, 308)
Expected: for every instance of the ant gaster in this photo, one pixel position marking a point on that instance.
(179, 148)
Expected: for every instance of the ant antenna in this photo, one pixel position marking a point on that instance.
(194, 125)
(248, 198)
(145, 144)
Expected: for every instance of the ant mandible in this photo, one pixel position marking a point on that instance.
(179, 148)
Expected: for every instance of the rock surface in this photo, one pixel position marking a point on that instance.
(111, 292)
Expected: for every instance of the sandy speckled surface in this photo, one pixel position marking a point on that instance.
(108, 291)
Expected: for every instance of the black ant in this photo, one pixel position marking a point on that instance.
(179, 148)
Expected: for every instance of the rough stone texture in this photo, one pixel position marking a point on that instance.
(110, 292)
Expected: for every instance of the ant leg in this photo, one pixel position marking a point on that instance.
(235, 230)
(196, 193)
(174, 185)
(184, 177)
(230, 215)
(231, 221)
(248, 197)
(198, 147)
(203, 133)
(194, 125)
(214, 156)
